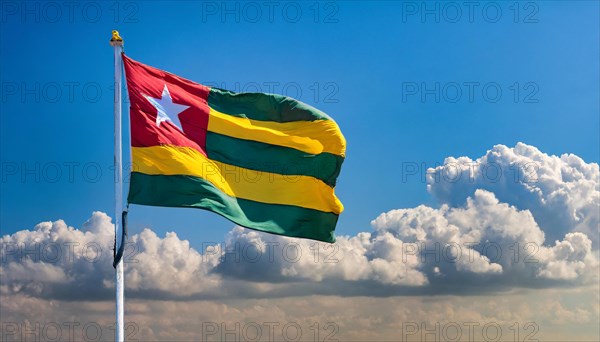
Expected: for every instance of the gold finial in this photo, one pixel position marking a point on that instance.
(116, 39)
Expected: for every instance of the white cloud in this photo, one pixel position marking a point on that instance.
(168, 264)
(571, 258)
(488, 237)
(53, 259)
(357, 258)
(485, 237)
(561, 192)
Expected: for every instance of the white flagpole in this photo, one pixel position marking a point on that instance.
(117, 44)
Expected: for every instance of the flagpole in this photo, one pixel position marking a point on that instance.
(117, 44)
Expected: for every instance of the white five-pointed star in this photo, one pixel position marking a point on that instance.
(166, 109)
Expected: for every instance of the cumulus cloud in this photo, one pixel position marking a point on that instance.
(361, 257)
(168, 265)
(561, 192)
(57, 261)
(485, 237)
(488, 243)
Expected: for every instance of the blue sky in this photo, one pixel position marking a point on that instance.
(358, 62)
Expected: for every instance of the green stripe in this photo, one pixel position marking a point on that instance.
(263, 107)
(186, 191)
(259, 156)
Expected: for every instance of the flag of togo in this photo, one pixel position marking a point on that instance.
(264, 161)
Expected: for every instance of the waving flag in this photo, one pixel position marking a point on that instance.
(264, 161)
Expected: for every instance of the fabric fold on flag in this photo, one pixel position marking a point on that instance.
(264, 161)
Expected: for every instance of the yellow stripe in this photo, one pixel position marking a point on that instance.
(260, 186)
(312, 137)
